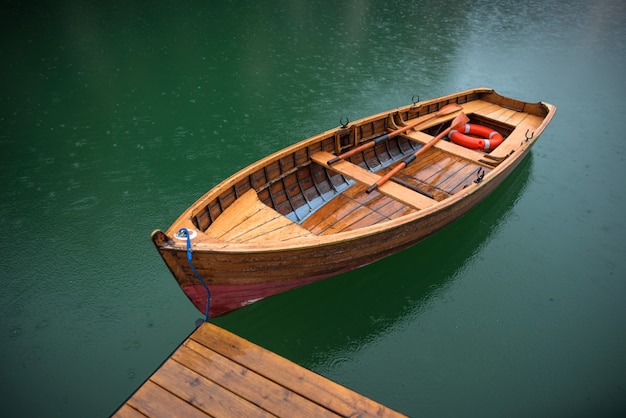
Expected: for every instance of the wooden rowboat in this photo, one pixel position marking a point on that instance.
(292, 218)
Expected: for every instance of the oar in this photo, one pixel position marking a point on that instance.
(460, 120)
(446, 110)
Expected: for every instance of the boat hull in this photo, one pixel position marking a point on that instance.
(239, 272)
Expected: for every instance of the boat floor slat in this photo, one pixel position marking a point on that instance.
(461, 179)
(480, 107)
(514, 119)
(389, 207)
(280, 229)
(371, 218)
(320, 220)
(250, 220)
(500, 114)
(450, 173)
(355, 209)
(345, 223)
(342, 212)
(432, 167)
(441, 173)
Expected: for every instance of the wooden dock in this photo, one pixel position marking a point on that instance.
(218, 374)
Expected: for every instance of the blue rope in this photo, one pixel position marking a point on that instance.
(185, 232)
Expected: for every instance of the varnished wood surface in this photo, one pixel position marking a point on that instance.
(250, 220)
(304, 210)
(393, 190)
(215, 373)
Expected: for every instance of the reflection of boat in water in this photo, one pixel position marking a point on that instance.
(339, 317)
(324, 206)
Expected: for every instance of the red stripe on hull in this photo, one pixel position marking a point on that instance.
(227, 298)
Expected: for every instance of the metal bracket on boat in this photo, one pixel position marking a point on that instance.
(528, 138)
(414, 101)
(185, 233)
(480, 174)
(344, 125)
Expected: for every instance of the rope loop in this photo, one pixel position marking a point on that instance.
(183, 232)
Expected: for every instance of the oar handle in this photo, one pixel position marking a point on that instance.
(412, 187)
(389, 175)
(358, 149)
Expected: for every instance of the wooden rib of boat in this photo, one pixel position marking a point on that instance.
(292, 218)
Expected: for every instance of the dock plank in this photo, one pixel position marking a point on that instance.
(154, 401)
(290, 375)
(205, 394)
(127, 411)
(216, 373)
(248, 385)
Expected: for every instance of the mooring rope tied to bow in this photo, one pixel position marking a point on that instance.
(184, 232)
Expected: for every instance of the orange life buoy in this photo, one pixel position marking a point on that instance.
(485, 138)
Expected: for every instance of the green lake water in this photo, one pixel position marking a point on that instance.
(115, 116)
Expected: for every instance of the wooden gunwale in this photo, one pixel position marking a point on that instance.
(314, 142)
(301, 151)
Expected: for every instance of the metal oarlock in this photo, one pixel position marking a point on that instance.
(528, 138)
(480, 174)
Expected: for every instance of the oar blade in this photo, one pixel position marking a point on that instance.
(461, 119)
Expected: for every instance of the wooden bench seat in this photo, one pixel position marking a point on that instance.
(393, 190)
(448, 147)
(250, 220)
(517, 137)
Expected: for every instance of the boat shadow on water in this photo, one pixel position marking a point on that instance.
(311, 324)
